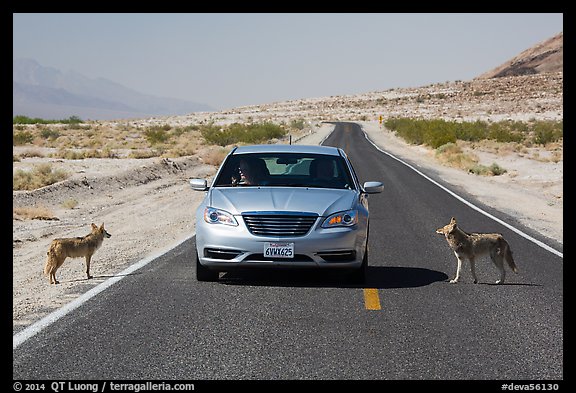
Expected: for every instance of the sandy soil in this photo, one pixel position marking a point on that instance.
(147, 205)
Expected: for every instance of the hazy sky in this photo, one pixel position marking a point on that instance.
(229, 60)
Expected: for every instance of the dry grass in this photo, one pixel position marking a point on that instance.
(41, 175)
(33, 213)
(451, 154)
(214, 155)
(96, 140)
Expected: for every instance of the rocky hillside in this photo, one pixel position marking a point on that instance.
(529, 86)
(546, 56)
(521, 98)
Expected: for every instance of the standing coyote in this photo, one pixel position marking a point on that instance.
(74, 247)
(472, 245)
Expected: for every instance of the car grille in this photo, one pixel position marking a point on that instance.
(279, 225)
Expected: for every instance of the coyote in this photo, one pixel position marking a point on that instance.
(74, 247)
(472, 245)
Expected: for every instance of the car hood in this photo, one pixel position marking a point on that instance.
(314, 200)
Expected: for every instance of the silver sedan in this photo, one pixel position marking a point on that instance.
(283, 206)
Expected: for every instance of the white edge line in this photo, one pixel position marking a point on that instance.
(49, 319)
(518, 231)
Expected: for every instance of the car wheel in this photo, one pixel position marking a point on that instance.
(358, 276)
(205, 274)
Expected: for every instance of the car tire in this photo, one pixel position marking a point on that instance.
(358, 276)
(205, 274)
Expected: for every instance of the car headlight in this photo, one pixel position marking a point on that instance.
(217, 216)
(341, 219)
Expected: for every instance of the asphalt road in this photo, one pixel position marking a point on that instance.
(160, 323)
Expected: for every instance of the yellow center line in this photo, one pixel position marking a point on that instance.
(371, 299)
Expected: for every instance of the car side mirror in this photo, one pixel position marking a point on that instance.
(199, 184)
(373, 187)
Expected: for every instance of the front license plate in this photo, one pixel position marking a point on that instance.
(278, 250)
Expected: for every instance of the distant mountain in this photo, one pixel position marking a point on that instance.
(48, 93)
(546, 56)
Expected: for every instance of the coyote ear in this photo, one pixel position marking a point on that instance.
(94, 226)
(102, 226)
(452, 220)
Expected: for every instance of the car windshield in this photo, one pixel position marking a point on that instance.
(285, 170)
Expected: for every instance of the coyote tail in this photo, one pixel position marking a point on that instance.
(508, 257)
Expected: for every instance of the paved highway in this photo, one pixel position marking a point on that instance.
(406, 323)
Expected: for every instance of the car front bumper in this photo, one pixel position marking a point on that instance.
(221, 247)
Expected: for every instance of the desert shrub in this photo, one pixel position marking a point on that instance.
(179, 151)
(33, 213)
(22, 137)
(497, 170)
(262, 132)
(48, 133)
(19, 119)
(483, 170)
(215, 156)
(142, 154)
(70, 203)
(472, 131)
(28, 153)
(298, 124)
(241, 133)
(40, 176)
(177, 131)
(156, 134)
(452, 155)
(504, 132)
(547, 131)
(215, 135)
(436, 132)
(68, 154)
(408, 129)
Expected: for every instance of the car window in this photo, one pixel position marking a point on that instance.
(285, 170)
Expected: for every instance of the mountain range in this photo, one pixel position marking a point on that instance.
(48, 93)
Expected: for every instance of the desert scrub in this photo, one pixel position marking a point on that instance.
(298, 124)
(142, 154)
(214, 155)
(545, 132)
(49, 133)
(40, 176)
(435, 132)
(36, 120)
(482, 170)
(452, 155)
(20, 138)
(70, 203)
(241, 133)
(80, 154)
(33, 213)
(29, 153)
(157, 134)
